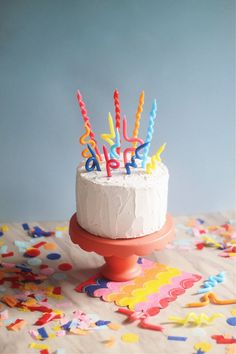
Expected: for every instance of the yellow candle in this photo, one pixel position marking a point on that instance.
(154, 159)
(112, 134)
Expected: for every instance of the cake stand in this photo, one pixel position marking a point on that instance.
(121, 255)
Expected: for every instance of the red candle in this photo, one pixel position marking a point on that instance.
(87, 120)
(110, 163)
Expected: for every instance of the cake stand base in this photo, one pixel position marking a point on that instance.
(121, 255)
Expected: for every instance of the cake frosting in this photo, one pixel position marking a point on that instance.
(124, 206)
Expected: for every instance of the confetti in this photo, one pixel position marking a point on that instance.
(17, 325)
(32, 252)
(233, 311)
(109, 342)
(114, 326)
(177, 338)
(34, 261)
(204, 346)
(47, 271)
(50, 246)
(39, 346)
(65, 266)
(220, 339)
(130, 338)
(231, 321)
(53, 256)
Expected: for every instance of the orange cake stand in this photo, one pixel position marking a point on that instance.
(121, 255)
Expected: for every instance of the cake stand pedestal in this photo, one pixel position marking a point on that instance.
(121, 255)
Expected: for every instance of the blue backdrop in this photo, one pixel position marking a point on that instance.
(180, 52)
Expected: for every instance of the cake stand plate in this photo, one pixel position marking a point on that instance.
(121, 255)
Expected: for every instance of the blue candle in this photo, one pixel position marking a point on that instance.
(152, 117)
(93, 159)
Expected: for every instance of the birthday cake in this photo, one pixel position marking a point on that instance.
(121, 194)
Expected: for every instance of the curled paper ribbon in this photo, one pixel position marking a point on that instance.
(195, 319)
(211, 298)
(211, 282)
(93, 159)
(110, 163)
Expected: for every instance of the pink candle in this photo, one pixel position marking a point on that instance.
(87, 120)
(110, 163)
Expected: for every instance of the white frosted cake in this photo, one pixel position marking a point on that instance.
(124, 206)
(122, 193)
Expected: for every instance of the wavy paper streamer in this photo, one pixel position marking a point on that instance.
(154, 289)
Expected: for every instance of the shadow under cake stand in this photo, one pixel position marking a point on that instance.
(121, 255)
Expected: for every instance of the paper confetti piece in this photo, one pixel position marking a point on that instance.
(230, 349)
(9, 300)
(44, 351)
(114, 326)
(32, 252)
(50, 246)
(231, 321)
(220, 339)
(53, 256)
(17, 325)
(195, 319)
(109, 342)
(233, 312)
(65, 266)
(39, 346)
(34, 261)
(130, 338)
(177, 338)
(204, 346)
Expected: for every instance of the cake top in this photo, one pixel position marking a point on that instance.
(117, 162)
(138, 179)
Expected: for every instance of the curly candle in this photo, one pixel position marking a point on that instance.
(87, 120)
(110, 163)
(138, 117)
(111, 135)
(152, 118)
(154, 159)
(85, 152)
(130, 140)
(95, 164)
(113, 153)
(117, 108)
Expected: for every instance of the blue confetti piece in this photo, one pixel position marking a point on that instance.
(231, 321)
(25, 227)
(66, 326)
(201, 221)
(53, 256)
(1, 233)
(23, 268)
(42, 332)
(102, 323)
(182, 339)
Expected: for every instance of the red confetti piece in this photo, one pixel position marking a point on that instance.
(222, 340)
(44, 351)
(47, 317)
(57, 290)
(39, 308)
(65, 267)
(40, 244)
(9, 254)
(200, 246)
(43, 266)
(32, 252)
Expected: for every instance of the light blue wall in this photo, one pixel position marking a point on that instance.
(179, 51)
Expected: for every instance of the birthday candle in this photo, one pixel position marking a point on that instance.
(132, 149)
(85, 152)
(154, 159)
(138, 117)
(110, 163)
(87, 120)
(117, 108)
(152, 118)
(113, 153)
(111, 135)
(93, 159)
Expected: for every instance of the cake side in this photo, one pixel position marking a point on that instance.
(124, 206)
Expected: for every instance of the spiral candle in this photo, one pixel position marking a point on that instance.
(117, 108)
(87, 120)
(138, 117)
(152, 118)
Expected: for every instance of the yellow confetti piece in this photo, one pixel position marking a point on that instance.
(130, 338)
(39, 346)
(56, 328)
(204, 346)
(114, 326)
(52, 335)
(79, 331)
(233, 311)
(61, 228)
(4, 228)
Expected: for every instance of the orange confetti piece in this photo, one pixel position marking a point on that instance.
(109, 342)
(50, 246)
(9, 300)
(17, 325)
(114, 326)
